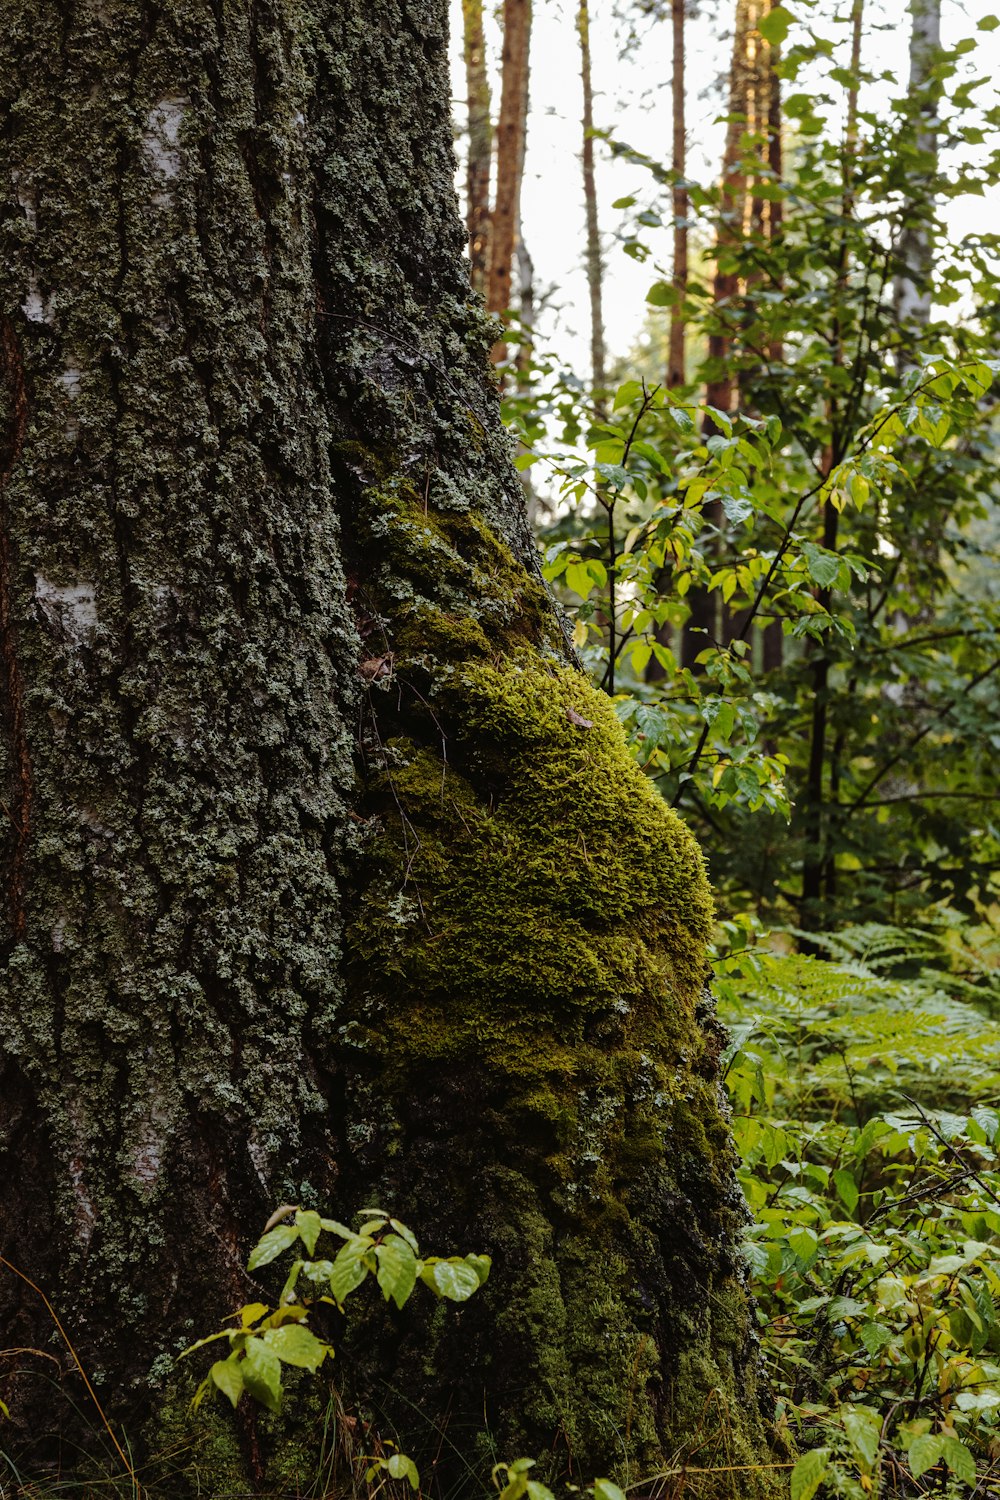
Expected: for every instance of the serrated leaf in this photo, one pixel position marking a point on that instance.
(295, 1345)
(924, 1452)
(397, 1269)
(227, 1377)
(959, 1460)
(809, 1473)
(270, 1245)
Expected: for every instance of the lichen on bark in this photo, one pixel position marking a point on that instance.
(339, 878)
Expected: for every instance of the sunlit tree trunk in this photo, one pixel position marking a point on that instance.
(479, 162)
(511, 137)
(593, 257)
(327, 878)
(914, 248)
(676, 369)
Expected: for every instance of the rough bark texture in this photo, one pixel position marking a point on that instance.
(279, 924)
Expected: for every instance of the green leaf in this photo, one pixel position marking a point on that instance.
(398, 1466)
(349, 1267)
(823, 566)
(226, 1376)
(809, 1473)
(270, 1245)
(988, 23)
(454, 1279)
(481, 1264)
(662, 294)
(774, 26)
(309, 1224)
(924, 1452)
(295, 1345)
(261, 1372)
(863, 1427)
(959, 1460)
(397, 1269)
(847, 1189)
(604, 1489)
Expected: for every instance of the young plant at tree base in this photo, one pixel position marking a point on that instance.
(264, 1337)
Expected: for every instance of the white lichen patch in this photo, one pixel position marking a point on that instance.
(70, 609)
(70, 381)
(161, 143)
(36, 308)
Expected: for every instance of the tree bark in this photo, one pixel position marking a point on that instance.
(480, 158)
(595, 268)
(511, 137)
(676, 369)
(914, 248)
(327, 876)
(705, 623)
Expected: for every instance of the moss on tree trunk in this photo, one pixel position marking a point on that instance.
(326, 874)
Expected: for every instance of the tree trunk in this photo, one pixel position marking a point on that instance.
(477, 178)
(676, 369)
(704, 626)
(511, 136)
(914, 248)
(326, 875)
(595, 269)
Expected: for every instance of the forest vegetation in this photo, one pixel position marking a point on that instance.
(415, 744)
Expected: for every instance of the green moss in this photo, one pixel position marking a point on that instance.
(527, 963)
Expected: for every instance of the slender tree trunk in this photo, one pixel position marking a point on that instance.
(511, 137)
(480, 142)
(818, 858)
(326, 877)
(705, 622)
(914, 248)
(594, 262)
(676, 369)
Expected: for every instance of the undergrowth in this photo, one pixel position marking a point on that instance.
(864, 1095)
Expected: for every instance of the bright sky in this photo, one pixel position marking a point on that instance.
(633, 103)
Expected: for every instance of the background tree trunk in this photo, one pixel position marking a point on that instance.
(480, 159)
(326, 875)
(911, 285)
(511, 135)
(595, 268)
(676, 369)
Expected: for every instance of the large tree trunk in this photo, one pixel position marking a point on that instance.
(326, 874)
